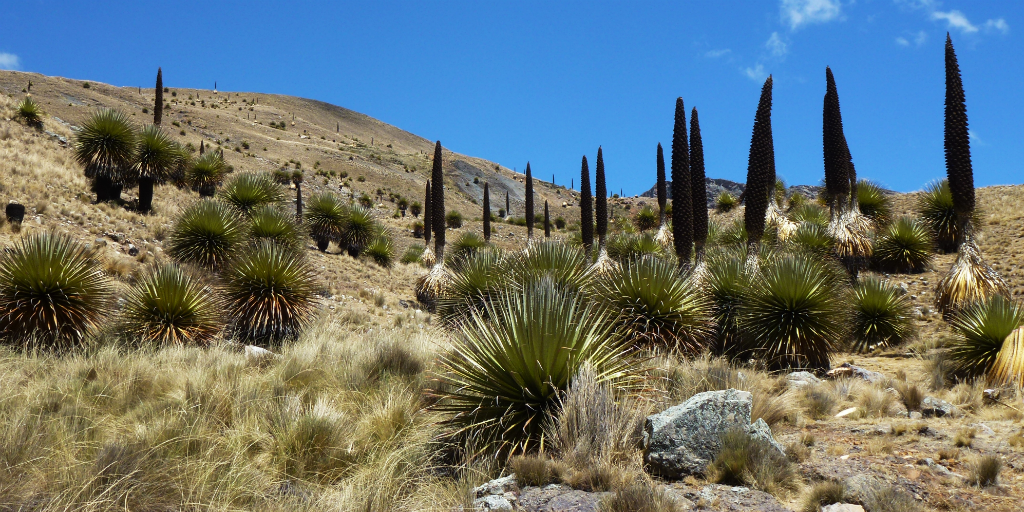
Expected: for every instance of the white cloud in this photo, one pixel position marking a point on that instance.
(975, 138)
(8, 61)
(1000, 25)
(714, 54)
(776, 45)
(756, 73)
(802, 12)
(955, 19)
(918, 39)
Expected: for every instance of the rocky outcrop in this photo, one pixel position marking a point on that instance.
(684, 439)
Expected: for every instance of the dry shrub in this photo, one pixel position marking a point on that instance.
(875, 402)
(823, 493)
(640, 496)
(881, 496)
(744, 460)
(535, 470)
(910, 394)
(984, 470)
(965, 437)
(819, 401)
(592, 428)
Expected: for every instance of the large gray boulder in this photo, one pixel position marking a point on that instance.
(684, 439)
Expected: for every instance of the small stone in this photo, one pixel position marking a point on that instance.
(916, 415)
(846, 412)
(847, 370)
(801, 379)
(492, 502)
(932, 406)
(842, 507)
(497, 486)
(132, 250)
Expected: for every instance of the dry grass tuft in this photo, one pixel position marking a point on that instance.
(640, 496)
(984, 471)
(824, 493)
(754, 463)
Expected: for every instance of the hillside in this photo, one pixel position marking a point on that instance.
(340, 419)
(321, 137)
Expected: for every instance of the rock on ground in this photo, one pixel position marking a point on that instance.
(686, 438)
(932, 406)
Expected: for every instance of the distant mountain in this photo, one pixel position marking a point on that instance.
(715, 187)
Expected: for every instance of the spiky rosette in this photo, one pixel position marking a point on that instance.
(657, 307)
(983, 330)
(432, 285)
(52, 292)
(970, 280)
(270, 293)
(1008, 367)
(760, 174)
(171, 307)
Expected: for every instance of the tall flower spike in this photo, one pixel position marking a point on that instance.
(760, 174)
(698, 188)
(529, 202)
(837, 180)
(586, 206)
(662, 187)
(601, 200)
(682, 207)
(970, 279)
(956, 140)
(487, 213)
(437, 202)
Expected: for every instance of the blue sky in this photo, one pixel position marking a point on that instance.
(551, 81)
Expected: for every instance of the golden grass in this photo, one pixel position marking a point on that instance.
(176, 427)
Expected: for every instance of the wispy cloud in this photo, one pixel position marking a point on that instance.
(776, 45)
(998, 25)
(756, 73)
(797, 13)
(9, 61)
(714, 54)
(955, 20)
(919, 39)
(975, 138)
